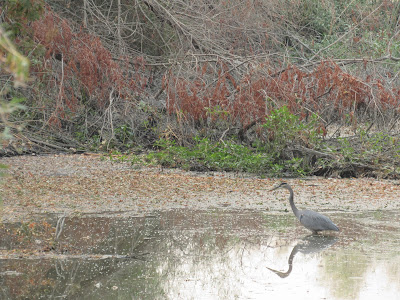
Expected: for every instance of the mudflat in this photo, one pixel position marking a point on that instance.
(87, 183)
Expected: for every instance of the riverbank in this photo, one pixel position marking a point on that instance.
(82, 184)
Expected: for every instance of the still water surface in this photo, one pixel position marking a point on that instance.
(213, 254)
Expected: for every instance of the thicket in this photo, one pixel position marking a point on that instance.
(260, 86)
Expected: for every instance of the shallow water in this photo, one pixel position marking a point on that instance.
(213, 254)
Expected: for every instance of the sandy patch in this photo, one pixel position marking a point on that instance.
(75, 184)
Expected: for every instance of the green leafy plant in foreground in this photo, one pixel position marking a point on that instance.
(207, 155)
(222, 156)
(367, 148)
(286, 129)
(263, 158)
(279, 155)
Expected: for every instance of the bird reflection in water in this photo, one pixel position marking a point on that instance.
(308, 245)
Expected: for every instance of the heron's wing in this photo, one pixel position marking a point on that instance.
(315, 221)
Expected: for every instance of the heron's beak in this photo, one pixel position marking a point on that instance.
(273, 189)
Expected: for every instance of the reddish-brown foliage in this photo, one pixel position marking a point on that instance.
(81, 68)
(326, 89)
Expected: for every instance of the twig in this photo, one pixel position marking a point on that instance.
(222, 136)
(48, 144)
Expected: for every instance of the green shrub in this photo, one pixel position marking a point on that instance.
(286, 129)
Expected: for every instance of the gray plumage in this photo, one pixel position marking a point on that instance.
(308, 218)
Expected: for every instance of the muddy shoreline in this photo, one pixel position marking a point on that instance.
(87, 184)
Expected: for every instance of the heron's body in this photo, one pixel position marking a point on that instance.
(309, 219)
(315, 221)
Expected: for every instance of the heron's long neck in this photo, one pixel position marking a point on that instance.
(294, 208)
(290, 263)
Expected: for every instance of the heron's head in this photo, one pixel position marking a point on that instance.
(279, 186)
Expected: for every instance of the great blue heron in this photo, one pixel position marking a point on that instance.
(308, 218)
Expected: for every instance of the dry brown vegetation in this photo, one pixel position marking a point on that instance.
(123, 74)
